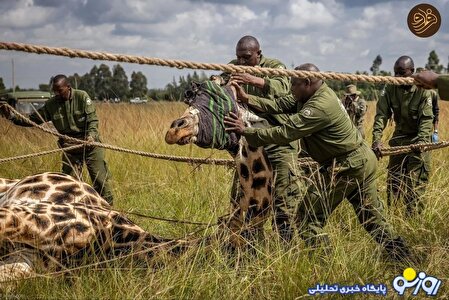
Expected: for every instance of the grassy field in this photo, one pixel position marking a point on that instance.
(182, 191)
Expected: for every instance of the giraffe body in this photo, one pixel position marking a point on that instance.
(53, 220)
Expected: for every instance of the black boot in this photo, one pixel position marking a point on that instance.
(398, 250)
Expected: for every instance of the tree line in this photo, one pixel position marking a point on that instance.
(101, 83)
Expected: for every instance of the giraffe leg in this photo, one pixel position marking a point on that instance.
(12, 272)
(16, 266)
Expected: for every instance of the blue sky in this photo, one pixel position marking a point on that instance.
(341, 36)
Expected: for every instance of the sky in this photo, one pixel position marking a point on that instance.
(336, 35)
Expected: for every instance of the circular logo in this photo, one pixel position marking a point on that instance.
(424, 20)
(409, 274)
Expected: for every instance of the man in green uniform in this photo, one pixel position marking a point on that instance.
(347, 164)
(355, 106)
(432, 80)
(436, 115)
(411, 106)
(72, 112)
(283, 158)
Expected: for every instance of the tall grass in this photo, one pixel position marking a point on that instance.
(182, 191)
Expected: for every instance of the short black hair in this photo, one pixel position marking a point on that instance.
(407, 60)
(60, 78)
(250, 41)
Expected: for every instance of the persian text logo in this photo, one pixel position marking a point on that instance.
(424, 20)
(428, 284)
(379, 289)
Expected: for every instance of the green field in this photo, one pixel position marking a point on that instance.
(182, 191)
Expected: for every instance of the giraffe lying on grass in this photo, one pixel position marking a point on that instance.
(50, 221)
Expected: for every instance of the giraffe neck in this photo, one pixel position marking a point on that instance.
(252, 207)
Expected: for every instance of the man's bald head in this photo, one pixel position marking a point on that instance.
(406, 61)
(248, 51)
(304, 88)
(309, 67)
(404, 66)
(248, 42)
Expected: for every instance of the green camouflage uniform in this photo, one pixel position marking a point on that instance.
(443, 87)
(408, 174)
(356, 110)
(283, 158)
(77, 118)
(347, 165)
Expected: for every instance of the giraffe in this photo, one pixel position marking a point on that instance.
(52, 221)
(202, 124)
(5, 185)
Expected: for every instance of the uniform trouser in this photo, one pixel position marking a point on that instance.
(72, 163)
(361, 129)
(408, 176)
(287, 187)
(353, 178)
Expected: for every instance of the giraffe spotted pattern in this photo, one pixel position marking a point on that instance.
(53, 220)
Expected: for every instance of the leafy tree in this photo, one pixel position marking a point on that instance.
(120, 85)
(75, 80)
(87, 84)
(90, 81)
(44, 87)
(103, 82)
(375, 68)
(138, 85)
(433, 62)
(174, 90)
(2, 85)
(447, 69)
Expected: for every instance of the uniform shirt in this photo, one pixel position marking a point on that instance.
(411, 110)
(275, 87)
(443, 86)
(322, 123)
(435, 107)
(75, 117)
(356, 110)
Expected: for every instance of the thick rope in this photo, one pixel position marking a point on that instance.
(130, 212)
(181, 64)
(192, 160)
(387, 151)
(25, 156)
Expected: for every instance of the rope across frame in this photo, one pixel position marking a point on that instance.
(307, 161)
(181, 64)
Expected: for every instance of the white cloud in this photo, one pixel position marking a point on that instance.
(335, 36)
(241, 13)
(304, 13)
(364, 53)
(26, 17)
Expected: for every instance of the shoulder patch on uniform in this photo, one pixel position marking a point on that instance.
(281, 67)
(88, 101)
(429, 101)
(307, 112)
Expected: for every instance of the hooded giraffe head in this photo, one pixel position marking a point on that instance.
(202, 122)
